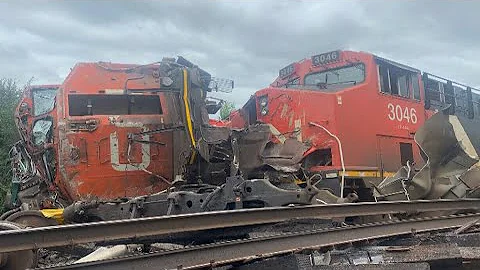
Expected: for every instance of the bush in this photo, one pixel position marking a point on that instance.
(226, 109)
(10, 95)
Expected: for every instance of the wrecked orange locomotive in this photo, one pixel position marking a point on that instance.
(111, 131)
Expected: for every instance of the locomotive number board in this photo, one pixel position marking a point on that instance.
(325, 58)
(286, 71)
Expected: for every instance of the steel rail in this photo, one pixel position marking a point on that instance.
(233, 251)
(106, 231)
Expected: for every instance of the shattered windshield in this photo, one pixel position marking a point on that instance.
(335, 79)
(41, 131)
(43, 101)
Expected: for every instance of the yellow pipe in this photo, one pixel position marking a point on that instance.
(187, 107)
(187, 112)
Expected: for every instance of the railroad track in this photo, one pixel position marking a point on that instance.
(228, 252)
(144, 230)
(62, 235)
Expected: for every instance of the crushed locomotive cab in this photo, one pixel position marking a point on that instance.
(116, 130)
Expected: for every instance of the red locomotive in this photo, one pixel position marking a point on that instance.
(356, 114)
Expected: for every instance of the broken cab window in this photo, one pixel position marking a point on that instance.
(43, 100)
(42, 131)
(384, 78)
(415, 86)
(80, 105)
(403, 89)
(398, 81)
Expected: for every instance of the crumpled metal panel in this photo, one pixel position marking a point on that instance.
(447, 145)
(255, 149)
(285, 156)
(449, 155)
(471, 179)
(250, 144)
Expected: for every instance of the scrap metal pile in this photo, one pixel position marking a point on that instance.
(189, 181)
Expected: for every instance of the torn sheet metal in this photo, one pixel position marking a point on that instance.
(449, 154)
(256, 150)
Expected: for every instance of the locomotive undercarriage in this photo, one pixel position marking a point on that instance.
(236, 193)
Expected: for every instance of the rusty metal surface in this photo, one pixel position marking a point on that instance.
(31, 218)
(232, 251)
(135, 228)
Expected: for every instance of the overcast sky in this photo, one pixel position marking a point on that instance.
(248, 41)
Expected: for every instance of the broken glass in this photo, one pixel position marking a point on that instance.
(41, 131)
(43, 101)
(335, 79)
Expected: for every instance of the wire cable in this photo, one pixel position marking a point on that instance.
(341, 154)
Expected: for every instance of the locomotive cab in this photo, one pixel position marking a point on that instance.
(33, 158)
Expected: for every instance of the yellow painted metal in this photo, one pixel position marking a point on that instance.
(56, 214)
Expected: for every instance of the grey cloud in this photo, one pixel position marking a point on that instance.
(247, 41)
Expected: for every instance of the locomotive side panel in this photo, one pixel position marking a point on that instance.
(400, 109)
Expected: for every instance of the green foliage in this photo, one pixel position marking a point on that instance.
(9, 97)
(226, 109)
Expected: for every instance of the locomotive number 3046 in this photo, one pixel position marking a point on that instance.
(396, 112)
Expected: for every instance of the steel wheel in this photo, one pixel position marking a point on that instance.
(31, 218)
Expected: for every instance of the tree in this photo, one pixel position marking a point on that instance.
(10, 95)
(226, 109)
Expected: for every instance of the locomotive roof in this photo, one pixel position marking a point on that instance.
(402, 66)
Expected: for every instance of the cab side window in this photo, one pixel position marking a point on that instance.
(400, 86)
(43, 101)
(384, 78)
(415, 85)
(398, 81)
